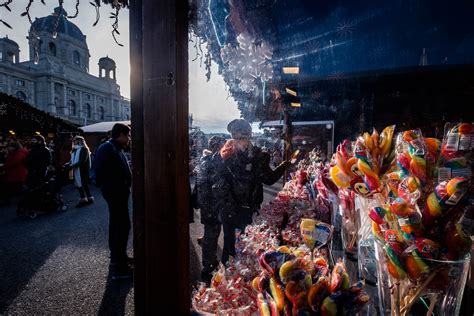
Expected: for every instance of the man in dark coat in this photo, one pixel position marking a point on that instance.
(206, 176)
(37, 161)
(113, 175)
(242, 170)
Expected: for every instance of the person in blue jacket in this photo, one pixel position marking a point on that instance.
(113, 176)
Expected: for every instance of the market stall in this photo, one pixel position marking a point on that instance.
(20, 120)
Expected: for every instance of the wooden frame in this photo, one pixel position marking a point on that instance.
(159, 78)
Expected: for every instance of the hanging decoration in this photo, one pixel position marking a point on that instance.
(247, 61)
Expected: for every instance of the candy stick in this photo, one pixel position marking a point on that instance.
(419, 290)
(397, 299)
(432, 305)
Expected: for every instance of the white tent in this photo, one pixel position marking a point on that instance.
(102, 127)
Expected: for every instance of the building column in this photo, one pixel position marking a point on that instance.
(95, 115)
(80, 112)
(53, 105)
(66, 108)
(9, 84)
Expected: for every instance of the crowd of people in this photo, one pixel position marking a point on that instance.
(229, 190)
(25, 168)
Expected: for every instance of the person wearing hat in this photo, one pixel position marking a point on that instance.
(206, 202)
(242, 169)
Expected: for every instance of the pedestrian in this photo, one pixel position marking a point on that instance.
(37, 161)
(14, 171)
(242, 169)
(80, 164)
(114, 178)
(206, 177)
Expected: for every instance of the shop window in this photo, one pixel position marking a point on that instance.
(21, 95)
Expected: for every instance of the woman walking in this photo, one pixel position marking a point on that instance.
(81, 164)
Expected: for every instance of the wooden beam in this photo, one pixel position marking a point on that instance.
(138, 174)
(160, 143)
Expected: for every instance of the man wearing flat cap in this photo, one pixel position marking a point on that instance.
(243, 169)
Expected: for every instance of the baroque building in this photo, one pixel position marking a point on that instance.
(56, 77)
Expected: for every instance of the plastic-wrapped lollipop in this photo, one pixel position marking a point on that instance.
(446, 194)
(401, 208)
(394, 249)
(377, 214)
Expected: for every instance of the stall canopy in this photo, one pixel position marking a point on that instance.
(102, 127)
(18, 116)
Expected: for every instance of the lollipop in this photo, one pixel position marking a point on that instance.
(339, 178)
(385, 140)
(315, 234)
(377, 214)
(317, 292)
(377, 232)
(394, 251)
(427, 248)
(446, 193)
(278, 294)
(418, 167)
(401, 208)
(415, 266)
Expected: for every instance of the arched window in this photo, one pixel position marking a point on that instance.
(21, 95)
(76, 58)
(87, 109)
(52, 48)
(101, 113)
(72, 108)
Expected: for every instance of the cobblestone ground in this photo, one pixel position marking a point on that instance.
(58, 263)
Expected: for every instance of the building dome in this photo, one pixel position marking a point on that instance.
(107, 61)
(46, 24)
(9, 41)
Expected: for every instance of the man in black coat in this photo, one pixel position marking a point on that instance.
(113, 175)
(205, 178)
(242, 169)
(37, 161)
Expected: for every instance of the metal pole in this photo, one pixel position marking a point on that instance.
(332, 142)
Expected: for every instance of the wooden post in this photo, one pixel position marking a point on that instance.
(158, 37)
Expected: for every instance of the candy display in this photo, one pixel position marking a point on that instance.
(401, 216)
(303, 285)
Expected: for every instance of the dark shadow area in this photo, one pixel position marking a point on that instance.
(26, 244)
(115, 296)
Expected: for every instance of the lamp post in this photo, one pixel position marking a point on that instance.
(331, 125)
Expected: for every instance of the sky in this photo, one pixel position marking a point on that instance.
(208, 101)
(99, 38)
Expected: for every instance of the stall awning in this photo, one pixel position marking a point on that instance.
(102, 127)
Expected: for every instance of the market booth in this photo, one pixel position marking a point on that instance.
(95, 134)
(21, 121)
(384, 226)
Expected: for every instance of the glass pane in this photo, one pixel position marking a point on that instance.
(307, 75)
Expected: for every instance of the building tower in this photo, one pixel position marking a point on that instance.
(106, 67)
(9, 51)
